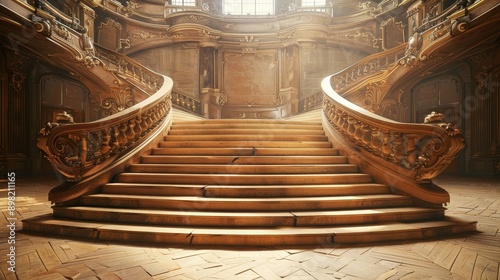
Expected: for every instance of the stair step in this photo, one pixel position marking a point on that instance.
(245, 131)
(281, 236)
(261, 126)
(243, 179)
(246, 182)
(246, 204)
(240, 160)
(245, 190)
(243, 137)
(244, 144)
(247, 151)
(245, 219)
(261, 122)
(243, 169)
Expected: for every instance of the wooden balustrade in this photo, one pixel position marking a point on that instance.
(82, 150)
(421, 150)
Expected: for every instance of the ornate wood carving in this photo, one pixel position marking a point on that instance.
(423, 150)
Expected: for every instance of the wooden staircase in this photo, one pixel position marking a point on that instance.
(246, 182)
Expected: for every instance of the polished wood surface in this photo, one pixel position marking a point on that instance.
(473, 256)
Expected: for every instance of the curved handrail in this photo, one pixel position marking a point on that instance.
(367, 68)
(404, 155)
(421, 150)
(80, 150)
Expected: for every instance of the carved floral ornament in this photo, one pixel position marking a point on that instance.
(375, 100)
(122, 99)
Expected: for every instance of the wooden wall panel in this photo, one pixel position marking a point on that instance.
(250, 79)
(179, 62)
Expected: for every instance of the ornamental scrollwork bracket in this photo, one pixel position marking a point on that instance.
(437, 153)
(460, 25)
(89, 57)
(410, 58)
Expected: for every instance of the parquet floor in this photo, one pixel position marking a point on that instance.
(475, 256)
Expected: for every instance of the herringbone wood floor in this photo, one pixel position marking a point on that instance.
(475, 256)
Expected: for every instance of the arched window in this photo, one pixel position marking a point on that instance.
(248, 7)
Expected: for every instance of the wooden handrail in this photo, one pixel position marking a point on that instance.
(404, 155)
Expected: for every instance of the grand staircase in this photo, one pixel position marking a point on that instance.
(246, 182)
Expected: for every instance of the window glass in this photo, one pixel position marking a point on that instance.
(249, 7)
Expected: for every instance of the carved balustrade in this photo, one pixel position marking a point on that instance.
(366, 68)
(418, 151)
(187, 103)
(80, 150)
(434, 18)
(69, 21)
(311, 102)
(129, 69)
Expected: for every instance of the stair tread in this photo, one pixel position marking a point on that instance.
(246, 151)
(247, 121)
(260, 126)
(350, 229)
(245, 190)
(251, 200)
(247, 131)
(239, 179)
(199, 159)
(244, 169)
(246, 137)
(390, 210)
(246, 144)
(203, 186)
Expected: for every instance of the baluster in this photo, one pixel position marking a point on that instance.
(350, 126)
(149, 120)
(358, 133)
(137, 127)
(114, 139)
(106, 137)
(122, 137)
(130, 129)
(144, 122)
(376, 142)
(386, 149)
(366, 135)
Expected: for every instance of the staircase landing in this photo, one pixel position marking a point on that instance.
(247, 182)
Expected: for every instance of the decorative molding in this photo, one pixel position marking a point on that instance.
(460, 25)
(249, 39)
(222, 98)
(208, 34)
(287, 35)
(18, 76)
(123, 99)
(89, 59)
(368, 37)
(410, 58)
